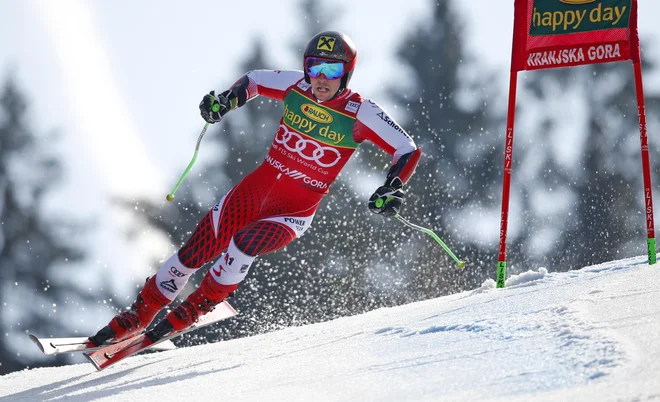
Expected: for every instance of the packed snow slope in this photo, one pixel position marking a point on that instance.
(584, 335)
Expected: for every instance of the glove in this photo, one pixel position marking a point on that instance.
(213, 107)
(387, 200)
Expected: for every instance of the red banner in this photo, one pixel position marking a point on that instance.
(562, 33)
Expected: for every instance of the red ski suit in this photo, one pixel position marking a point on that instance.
(276, 203)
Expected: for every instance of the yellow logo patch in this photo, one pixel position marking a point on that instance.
(326, 43)
(316, 113)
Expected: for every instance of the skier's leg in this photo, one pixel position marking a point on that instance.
(164, 286)
(236, 216)
(205, 244)
(213, 233)
(228, 272)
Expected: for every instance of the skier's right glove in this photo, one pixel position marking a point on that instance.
(213, 107)
(387, 200)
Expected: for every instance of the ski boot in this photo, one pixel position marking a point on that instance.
(150, 301)
(209, 294)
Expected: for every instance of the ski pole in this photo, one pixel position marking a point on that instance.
(170, 196)
(460, 264)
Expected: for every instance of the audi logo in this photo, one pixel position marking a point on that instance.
(294, 142)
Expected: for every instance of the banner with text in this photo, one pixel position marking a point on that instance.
(561, 33)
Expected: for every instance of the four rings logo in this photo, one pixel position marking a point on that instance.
(306, 148)
(316, 113)
(295, 174)
(176, 272)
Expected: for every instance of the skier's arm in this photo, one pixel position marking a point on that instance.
(273, 84)
(375, 125)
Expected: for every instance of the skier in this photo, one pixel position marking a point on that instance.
(323, 124)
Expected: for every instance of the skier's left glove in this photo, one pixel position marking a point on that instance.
(388, 199)
(213, 107)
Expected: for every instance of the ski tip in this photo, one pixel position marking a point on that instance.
(36, 342)
(232, 310)
(91, 360)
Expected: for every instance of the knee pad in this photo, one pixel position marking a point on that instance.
(172, 277)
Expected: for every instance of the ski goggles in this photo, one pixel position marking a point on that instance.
(331, 69)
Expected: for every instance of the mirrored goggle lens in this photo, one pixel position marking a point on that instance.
(332, 70)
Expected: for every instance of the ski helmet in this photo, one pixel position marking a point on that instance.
(332, 45)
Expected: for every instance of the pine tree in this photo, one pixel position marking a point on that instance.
(36, 250)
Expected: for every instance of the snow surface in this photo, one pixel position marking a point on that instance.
(584, 335)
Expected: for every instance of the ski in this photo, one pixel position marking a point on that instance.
(111, 354)
(56, 346)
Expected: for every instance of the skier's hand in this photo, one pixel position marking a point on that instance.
(213, 107)
(387, 200)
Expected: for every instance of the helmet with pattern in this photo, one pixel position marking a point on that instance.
(332, 45)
